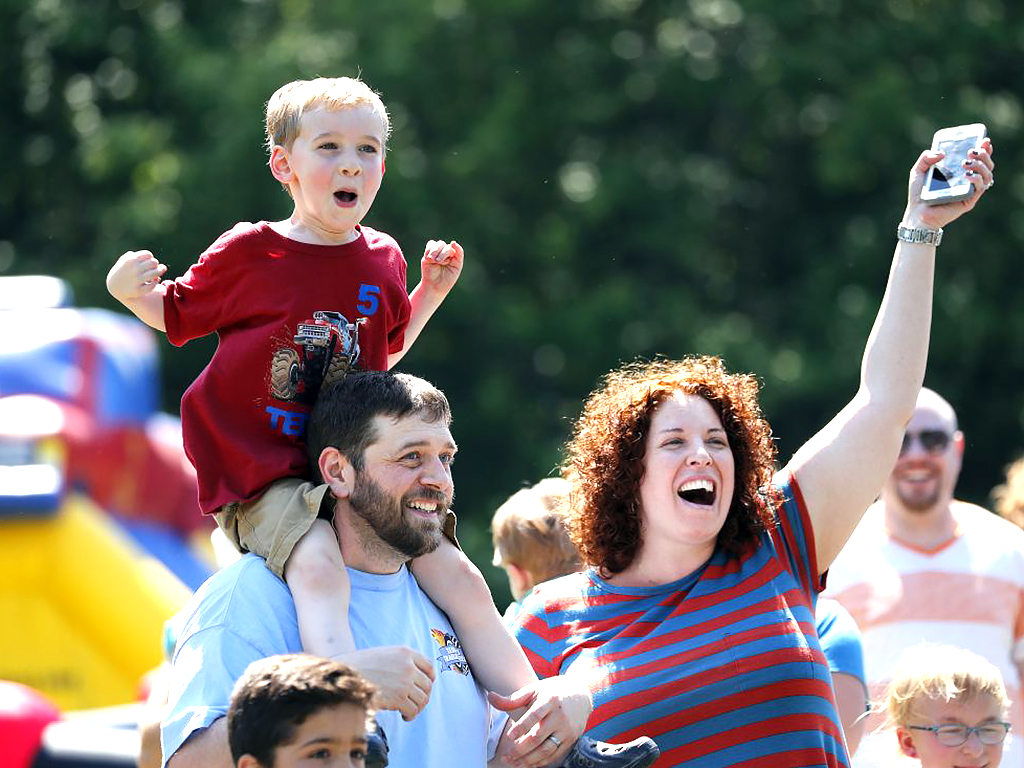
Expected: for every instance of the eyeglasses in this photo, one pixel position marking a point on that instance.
(952, 735)
(934, 441)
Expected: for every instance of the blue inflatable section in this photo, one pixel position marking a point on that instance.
(169, 548)
(101, 361)
(104, 366)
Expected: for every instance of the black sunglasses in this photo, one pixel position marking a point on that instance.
(932, 440)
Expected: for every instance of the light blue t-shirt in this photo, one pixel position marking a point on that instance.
(840, 639)
(244, 613)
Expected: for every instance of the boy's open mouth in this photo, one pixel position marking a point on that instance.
(343, 196)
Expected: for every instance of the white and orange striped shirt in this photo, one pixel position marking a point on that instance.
(967, 592)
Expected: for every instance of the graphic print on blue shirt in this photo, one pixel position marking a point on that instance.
(449, 653)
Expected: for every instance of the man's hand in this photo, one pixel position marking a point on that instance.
(556, 706)
(134, 275)
(441, 266)
(403, 677)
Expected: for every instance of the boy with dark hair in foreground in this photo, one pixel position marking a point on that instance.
(292, 709)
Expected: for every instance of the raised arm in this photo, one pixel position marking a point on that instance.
(841, 469)
(441, 266)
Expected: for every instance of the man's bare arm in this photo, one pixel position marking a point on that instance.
(207, 748)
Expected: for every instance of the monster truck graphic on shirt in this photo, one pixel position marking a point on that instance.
(328, 348)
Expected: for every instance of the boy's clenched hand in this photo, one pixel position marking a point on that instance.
(441, 265)
(134, 275)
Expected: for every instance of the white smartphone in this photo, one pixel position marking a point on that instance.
(947, 180)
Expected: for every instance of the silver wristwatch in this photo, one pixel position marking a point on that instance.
(919, 235)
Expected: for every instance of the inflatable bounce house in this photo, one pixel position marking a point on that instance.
(100, 532)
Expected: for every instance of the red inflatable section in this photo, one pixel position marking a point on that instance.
(138, 471)
(24, 714)
(101, 368)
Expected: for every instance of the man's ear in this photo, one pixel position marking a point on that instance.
(280, 165)
(959, 443)
(906, 739)
(337, 472)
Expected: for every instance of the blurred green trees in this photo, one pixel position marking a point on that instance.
(629, 177)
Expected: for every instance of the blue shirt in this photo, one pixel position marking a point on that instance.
(244, 613)
(840, 639)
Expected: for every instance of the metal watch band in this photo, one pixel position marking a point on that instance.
(918, 235)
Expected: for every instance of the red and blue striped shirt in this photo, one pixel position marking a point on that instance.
(721, 668)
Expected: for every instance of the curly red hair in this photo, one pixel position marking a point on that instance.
(605, 456)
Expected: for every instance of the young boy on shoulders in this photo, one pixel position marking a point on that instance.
(295, 303)
(295, 710)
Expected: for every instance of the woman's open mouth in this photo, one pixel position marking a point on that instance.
(701, 492)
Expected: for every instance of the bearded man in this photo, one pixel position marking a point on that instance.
(382, 445)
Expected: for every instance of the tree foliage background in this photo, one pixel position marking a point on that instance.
(629, 178)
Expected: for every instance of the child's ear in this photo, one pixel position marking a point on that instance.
(248, 761)
(280, 164)
(906, 739)
(337, 472)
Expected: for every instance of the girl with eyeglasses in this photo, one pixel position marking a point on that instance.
(948, 707)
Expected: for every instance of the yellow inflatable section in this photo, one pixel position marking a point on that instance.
(83, 608)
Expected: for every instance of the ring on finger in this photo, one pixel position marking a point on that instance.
(555, 740)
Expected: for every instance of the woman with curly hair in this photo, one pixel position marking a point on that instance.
(695, 618)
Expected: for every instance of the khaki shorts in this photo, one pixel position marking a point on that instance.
(272, 524)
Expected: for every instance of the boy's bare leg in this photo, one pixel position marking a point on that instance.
(316, 576)
(458, 588)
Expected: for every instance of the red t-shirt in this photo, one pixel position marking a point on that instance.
(243, 419)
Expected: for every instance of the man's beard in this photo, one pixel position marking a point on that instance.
(385, 516)
(918, 503)
(917, 500)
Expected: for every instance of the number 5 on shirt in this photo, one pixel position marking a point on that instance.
(369, 299)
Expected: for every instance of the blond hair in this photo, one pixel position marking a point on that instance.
(1009, 497)
(289, 102)
(941, 672)
(529, 531)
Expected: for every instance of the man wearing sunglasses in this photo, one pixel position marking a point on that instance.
(923, 566)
